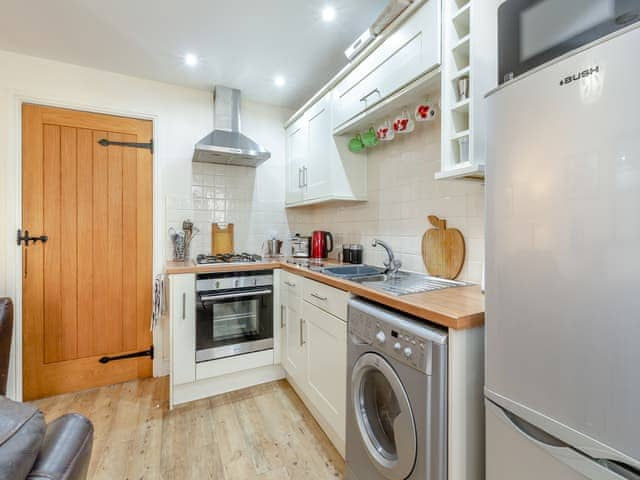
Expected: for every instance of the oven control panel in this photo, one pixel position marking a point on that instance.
(211, 282)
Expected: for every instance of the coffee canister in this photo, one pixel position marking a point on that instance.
(346, 254)
(355, 255)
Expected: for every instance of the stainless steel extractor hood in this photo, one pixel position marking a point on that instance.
(226, 144)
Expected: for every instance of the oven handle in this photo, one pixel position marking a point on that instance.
(209, 298)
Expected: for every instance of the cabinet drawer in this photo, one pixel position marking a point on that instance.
(327, 298)
(291, 283)
(411, 50)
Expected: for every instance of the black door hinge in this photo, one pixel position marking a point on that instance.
(105, 143)
(26, 238)
(143, 353)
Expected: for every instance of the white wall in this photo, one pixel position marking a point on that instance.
(402, 193)
(181, 117)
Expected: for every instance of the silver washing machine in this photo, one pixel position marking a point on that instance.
(396, 396)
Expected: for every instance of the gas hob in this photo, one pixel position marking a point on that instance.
(228, 258)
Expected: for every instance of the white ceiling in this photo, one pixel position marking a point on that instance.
(241, 43)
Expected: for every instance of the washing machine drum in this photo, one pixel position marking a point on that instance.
(384, 416)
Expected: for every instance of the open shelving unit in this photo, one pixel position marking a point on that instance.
(468, 52)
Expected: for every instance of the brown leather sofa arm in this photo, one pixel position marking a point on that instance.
(66, 450)
(6, 331)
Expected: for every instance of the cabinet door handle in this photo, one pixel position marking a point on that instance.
(282, 310)
(315, 295)
(301, 332)
(289, 284)
(299, 177)
(375, 90)
(184, 306)
(305, 177)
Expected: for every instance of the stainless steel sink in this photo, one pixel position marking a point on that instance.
(352, 271)
(404, 283)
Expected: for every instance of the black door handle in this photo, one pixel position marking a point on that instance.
(26, 238)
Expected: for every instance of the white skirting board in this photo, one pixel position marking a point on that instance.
(189, 392)
(466, 404)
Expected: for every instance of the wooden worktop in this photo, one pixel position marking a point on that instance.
(457, 308)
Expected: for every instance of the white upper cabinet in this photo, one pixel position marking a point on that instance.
(410, 51)
(319, 166)
(296, 154)
(316, 174)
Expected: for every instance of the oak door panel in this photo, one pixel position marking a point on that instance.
(87, 290)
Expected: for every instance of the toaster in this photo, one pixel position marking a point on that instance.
(300, 246)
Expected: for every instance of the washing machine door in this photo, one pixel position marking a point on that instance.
(384, 417)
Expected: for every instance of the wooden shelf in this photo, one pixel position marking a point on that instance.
(463, 44)
(464, 133)
(461, 73)
(462, 106)
(465, 171)
(464, 10)
(461, 20)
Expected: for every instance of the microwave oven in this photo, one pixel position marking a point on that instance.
(534, 32)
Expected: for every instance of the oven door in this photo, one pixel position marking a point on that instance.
(533, 32)
(233, 322)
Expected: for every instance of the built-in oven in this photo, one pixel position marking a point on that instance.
(533, 32)
(234, 314)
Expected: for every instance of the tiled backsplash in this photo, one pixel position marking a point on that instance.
(402, 193)
(252, 199)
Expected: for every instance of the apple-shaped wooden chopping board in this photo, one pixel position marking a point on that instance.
(443, 249)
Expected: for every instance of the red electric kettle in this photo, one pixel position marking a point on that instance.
(321, 244)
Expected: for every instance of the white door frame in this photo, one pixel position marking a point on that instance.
(14, 387)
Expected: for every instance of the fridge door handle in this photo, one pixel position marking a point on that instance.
(591, 468)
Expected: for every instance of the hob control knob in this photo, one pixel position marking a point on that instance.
(397, 347)
(408, 352)
(381, 337)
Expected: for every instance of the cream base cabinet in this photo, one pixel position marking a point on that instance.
(314, 349)
(182, 312)
(293, 355)
(326, 341)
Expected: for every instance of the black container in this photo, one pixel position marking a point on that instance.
(355, 253)
(346, 254)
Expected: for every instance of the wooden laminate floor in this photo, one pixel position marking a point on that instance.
(264, 432)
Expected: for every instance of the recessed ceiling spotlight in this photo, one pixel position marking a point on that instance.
(328, 13)
(279, 81)
(191, 60)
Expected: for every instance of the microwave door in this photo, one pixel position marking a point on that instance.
(534, 32)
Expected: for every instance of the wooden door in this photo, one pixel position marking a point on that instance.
(87, 291)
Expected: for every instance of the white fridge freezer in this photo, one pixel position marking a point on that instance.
(563, 268)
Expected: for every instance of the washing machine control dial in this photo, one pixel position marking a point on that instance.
(381, 337)
(408, 352)
(397, 347)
